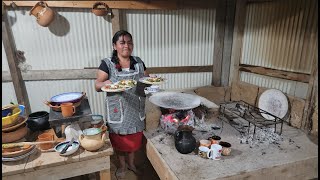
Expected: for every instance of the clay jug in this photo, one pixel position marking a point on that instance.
(184, 141)
(91, 139)
(43, 13)
(100, 11)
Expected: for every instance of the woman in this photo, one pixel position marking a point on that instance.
(125, 110)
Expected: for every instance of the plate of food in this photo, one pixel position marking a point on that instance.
(152, 80)
(114, 88)
(127, 83)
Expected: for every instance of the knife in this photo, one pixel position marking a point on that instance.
(64, 150)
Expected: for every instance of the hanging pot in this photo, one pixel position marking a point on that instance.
(184, 141)
(100, 11)
(43, 13)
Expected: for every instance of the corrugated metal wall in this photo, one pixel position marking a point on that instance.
(77, 39)
(278, 35)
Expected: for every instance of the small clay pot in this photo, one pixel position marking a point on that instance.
(8, 137)
(100, 11)
(43, 13)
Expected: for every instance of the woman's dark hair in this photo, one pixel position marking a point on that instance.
(115, 38)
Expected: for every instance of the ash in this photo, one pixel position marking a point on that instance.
(262, 136)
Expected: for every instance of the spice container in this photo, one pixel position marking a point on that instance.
(97, 121)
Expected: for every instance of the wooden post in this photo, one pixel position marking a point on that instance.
(237, 43)
(116, 21)
(218, 42)
(10, 49)
(227, 44)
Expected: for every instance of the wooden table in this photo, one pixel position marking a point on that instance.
(50, 165)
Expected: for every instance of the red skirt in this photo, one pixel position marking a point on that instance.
(126, 143)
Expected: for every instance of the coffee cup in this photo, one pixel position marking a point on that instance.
(152, 89)
(205, 143)
(215, 152)
(203, 151)
(226, 148)
(67, 109)
(215, 139)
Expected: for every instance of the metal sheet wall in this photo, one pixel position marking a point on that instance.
(292, 88)
(278, 34)
(75, 39)
(172, 37)
(78, 39)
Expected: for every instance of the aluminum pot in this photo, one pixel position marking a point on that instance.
(38, 121)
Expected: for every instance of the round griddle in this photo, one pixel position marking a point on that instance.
(175, 100)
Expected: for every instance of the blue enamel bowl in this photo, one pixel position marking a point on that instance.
(71, 149)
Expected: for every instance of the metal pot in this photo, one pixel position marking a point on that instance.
(38, 121)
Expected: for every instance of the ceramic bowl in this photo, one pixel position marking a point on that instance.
(72, 149)
(15, 135)
(9, 119)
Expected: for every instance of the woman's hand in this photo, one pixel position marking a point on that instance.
(107, 82)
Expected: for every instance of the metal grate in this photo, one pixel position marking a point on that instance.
(241, 115)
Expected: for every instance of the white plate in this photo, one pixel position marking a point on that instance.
(115, 90)
(274, 102)
(175, 100)
(66, 97)
(144, 80)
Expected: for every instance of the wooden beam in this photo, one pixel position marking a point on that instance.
(90, 73)
(10, 50)
(111, 4)
(239, 25)
(301, 77)
(218, 42)
(182, 69)
(227, 45)
(116, 21)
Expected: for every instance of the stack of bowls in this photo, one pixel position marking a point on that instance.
(14, 125)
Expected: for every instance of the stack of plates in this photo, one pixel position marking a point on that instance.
(19, 155)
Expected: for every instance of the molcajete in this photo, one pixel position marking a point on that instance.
(184, 141)
(91, 139)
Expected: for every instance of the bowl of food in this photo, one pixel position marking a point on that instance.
(11, 117)
(71, 149)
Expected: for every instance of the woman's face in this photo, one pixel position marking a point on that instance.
(124, 46)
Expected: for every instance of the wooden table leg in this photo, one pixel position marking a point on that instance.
(105, 174)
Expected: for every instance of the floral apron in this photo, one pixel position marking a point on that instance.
(125, 111)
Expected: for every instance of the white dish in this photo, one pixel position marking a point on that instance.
(145, 80)
(274, 102)
(120, 89)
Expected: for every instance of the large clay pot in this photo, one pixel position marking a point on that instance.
(184, 141)
(91, 139)
(43, 13)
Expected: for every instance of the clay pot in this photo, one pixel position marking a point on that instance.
(100, 11)
(8, 137)
(91, 139)
(43, 13)
(184, 141)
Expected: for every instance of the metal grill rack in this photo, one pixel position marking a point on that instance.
(241, 110)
